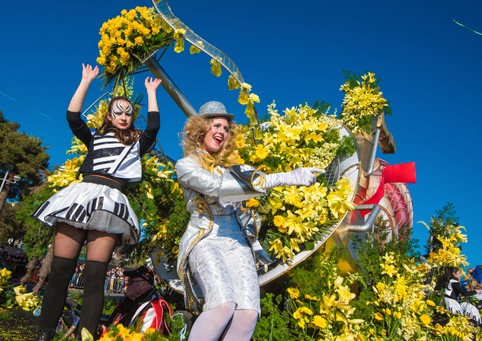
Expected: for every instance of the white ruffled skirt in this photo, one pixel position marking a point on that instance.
(91, 206)
(463, 308)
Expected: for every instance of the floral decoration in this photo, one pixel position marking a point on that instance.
(120, 332)
(129, 39)
(302, 137)
(5, 275)
(363, 100)
(26, 300)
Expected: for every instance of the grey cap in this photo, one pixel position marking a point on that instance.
(214, 109)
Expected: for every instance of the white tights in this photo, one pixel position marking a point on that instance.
(210, 325)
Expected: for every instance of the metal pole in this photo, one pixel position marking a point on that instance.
(4, 180)
(171, 88)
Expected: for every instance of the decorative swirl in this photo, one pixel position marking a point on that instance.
(162, 7)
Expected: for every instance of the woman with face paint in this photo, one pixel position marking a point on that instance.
(95, 211)
(218, 250)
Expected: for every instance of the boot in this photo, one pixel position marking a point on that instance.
(46, 334)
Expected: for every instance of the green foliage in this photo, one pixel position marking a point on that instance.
(158, 202)
(369, 250)
(273, 324)
(38, 235)
(10, 227)
(109, 305)
(24, 152)
(29, 159)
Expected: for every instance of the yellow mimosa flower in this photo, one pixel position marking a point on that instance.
(179, 46)
(252, 203)
(319, 322)
(215, 67)
(293, 292)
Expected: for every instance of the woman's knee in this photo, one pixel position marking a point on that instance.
(100, 246)
(248, 317)
(226, 309)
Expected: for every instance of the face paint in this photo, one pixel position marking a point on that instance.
(117, 109)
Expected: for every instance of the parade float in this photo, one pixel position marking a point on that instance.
(357, 189)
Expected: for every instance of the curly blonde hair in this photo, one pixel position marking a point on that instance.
(193, 135)
(126, 137)
(473, 284)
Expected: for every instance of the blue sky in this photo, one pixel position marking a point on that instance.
(292, 53)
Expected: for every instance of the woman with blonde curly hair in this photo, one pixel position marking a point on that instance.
(215, 261)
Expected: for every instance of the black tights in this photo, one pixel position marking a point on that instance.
(56, 293)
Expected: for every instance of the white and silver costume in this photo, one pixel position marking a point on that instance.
(216, 249)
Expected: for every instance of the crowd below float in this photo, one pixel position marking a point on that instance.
(16, 261)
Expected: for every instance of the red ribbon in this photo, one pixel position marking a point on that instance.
(404, 172)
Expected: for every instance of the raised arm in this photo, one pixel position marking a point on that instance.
(88, 75)
(148, 137)
(151, 88)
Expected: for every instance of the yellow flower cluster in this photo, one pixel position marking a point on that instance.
(400, 299)
(301, 137)
(450, 254)
(363, 101)
(120, 332)
(27, 301)
(5, 275)
(401, 310)
(300, 212)
(66, 174)
(457, 329)
(129, 38)
(327, 316)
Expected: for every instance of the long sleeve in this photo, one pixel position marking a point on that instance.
(234, 185)
(78, 127)
(192, 176)
(148, 137)
(461, 291)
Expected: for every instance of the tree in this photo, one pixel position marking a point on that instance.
(24, 153)
(10, 227)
